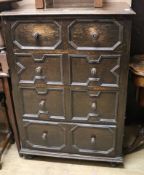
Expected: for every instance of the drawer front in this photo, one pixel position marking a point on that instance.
(76, 139)
(100, 34)
(37, 34)
(44, 136)
(93, 139)
(84, 70)
(95, 70)
(94, 106)
(31, 67)
(71, 105)
(45, 106)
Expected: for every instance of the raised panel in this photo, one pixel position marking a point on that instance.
(43, 106)
(74, 109)
(93, 139)
(35, 66)
(36, 34)
(100, 34)
(95, 70)
(42, 135)
(94, 106)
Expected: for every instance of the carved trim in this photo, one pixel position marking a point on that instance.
(120, 36)
(14, 25)
(42, 59)
(30, 122)
(46, 112)
(21, 67)
(108, 151)
(97, 61)
(116, 159)
(98, 117)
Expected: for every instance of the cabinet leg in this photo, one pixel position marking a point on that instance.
(21, 155)
(12, 140)
(26, 156)
(116, 164)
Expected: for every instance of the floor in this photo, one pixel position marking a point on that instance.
(14, 165)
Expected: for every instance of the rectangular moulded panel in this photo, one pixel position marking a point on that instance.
(33, 34)
(95, 70)
(94, 106)
(49, 67)
(46, 106)
(44, 136)
(99, 34)
(93, 139)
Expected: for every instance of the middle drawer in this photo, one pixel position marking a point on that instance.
(76, 70)
(70, 104)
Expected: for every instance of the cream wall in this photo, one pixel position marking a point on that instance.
(128, 1)
(33, 1)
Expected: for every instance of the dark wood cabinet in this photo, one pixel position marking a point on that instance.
(69, 74)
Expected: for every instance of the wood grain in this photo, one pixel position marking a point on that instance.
(39, 4)
(98, 3)
(63, 97)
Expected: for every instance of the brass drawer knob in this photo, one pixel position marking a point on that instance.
(36, 35)
(93, 71)
(93, 140)
(44, 135)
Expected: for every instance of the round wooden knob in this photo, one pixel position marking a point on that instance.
(36, 35)
(95, 35)
(38, 70)
(44, 135)
(93, 106)
(93, 71)
(93, 140)
(42, 104)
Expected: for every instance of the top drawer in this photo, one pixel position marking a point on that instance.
(37, 34)
(100, 34)
(79, 34)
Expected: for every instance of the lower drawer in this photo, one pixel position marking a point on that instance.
(44, 135)
(93, 139)
(69, 138)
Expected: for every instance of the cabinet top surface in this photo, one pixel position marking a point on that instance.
(113, 8)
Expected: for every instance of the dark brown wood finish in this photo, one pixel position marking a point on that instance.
(10, 111)
(6, 136)
(8, 124)
(69, 77)
(38, 35)
(6, 89)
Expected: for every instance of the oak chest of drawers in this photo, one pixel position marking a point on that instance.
(69, 74)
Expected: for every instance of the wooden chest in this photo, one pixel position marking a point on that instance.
(69, 72)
